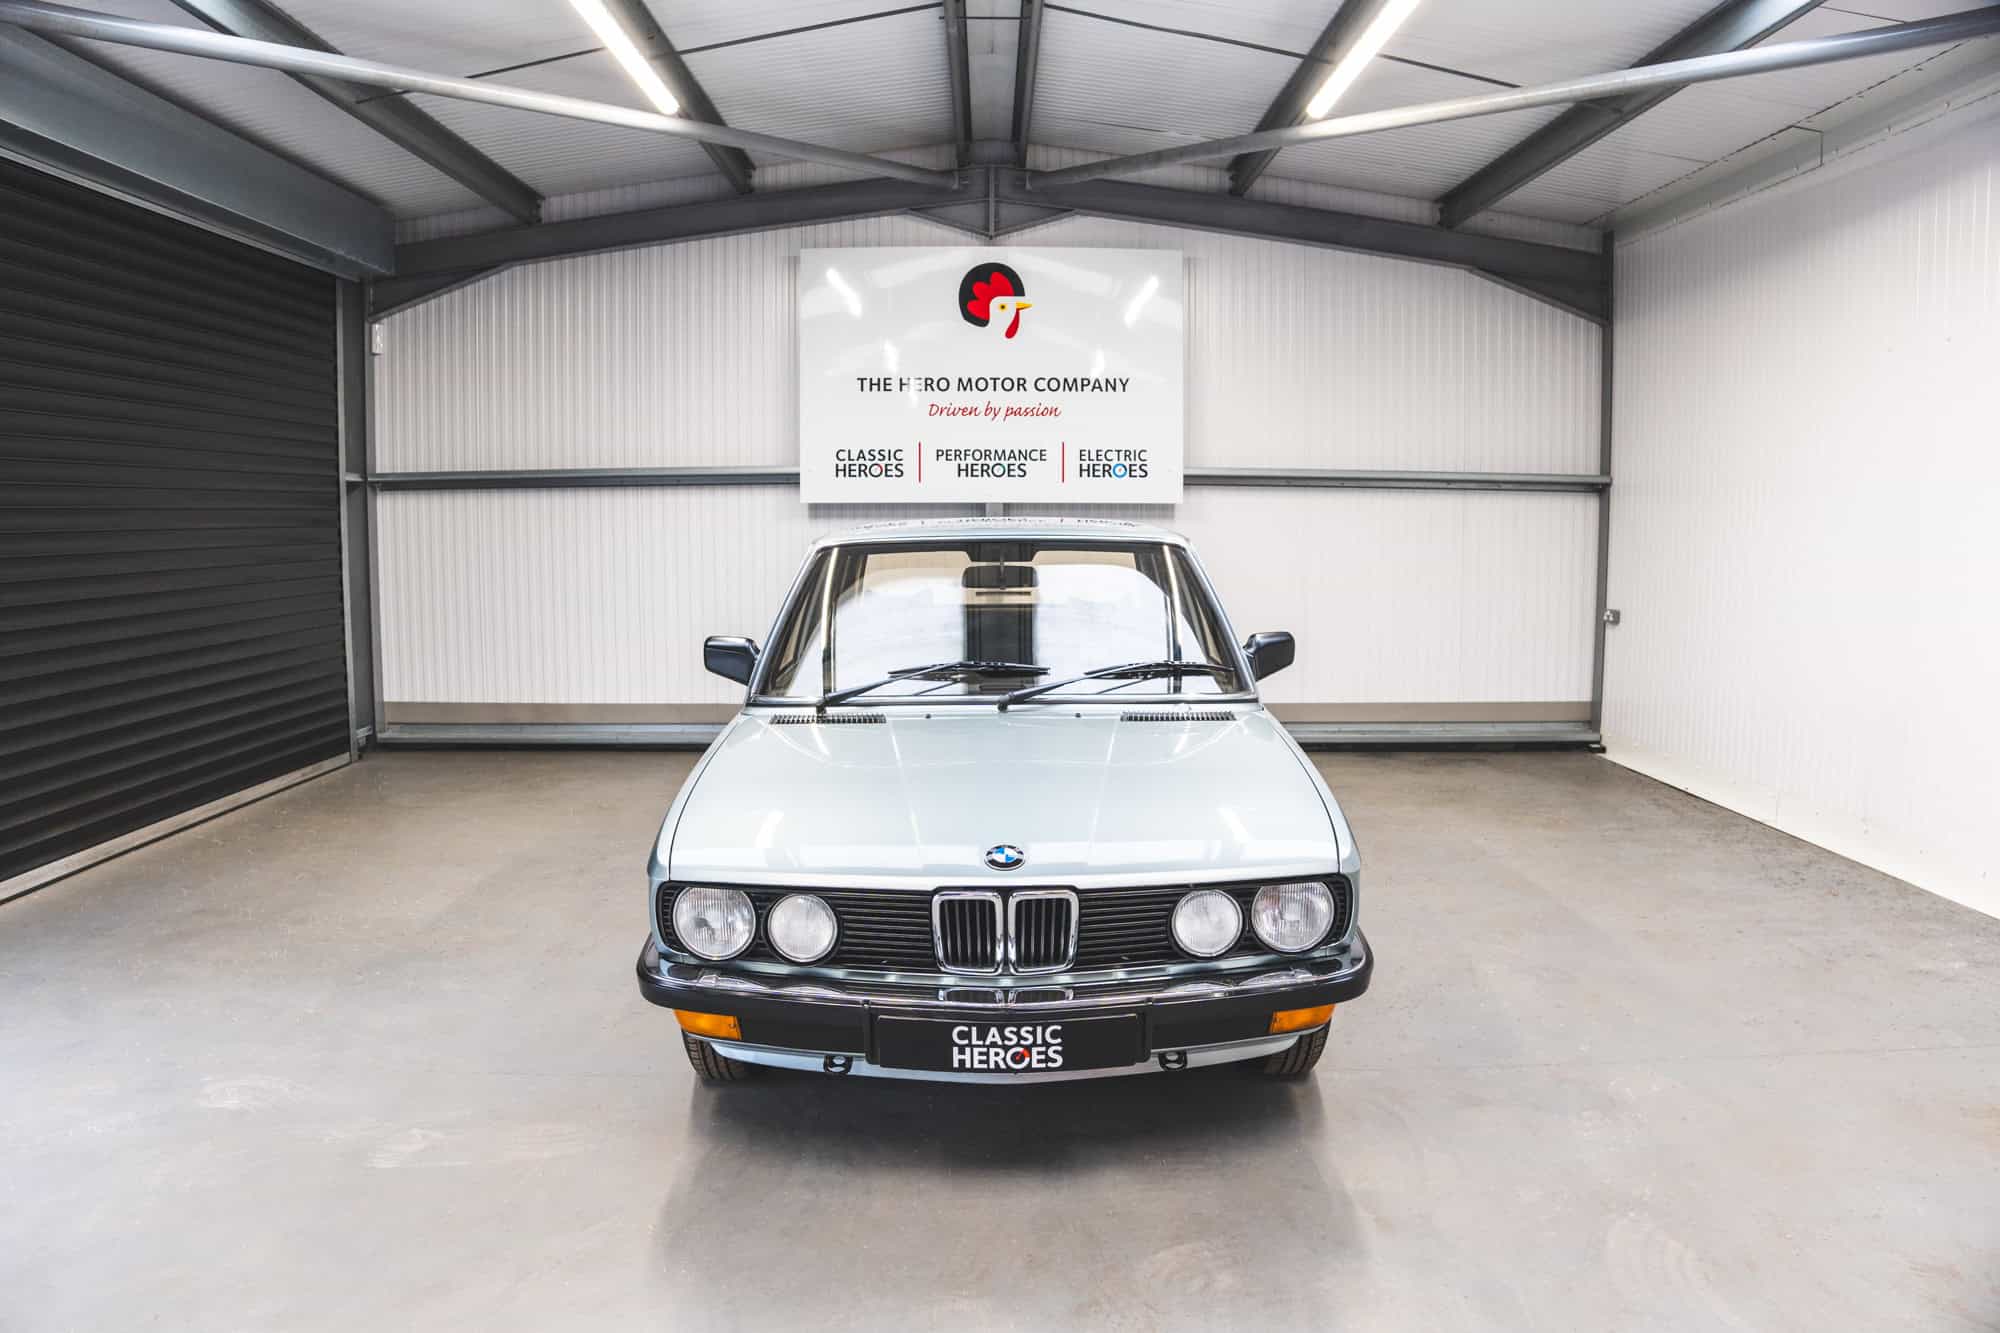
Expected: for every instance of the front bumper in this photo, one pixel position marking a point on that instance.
(1185, 1021)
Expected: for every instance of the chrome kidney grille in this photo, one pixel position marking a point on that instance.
(966, 924)
(1041, 930)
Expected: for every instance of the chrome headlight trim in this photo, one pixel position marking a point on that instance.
(804, 902)
(691, 898)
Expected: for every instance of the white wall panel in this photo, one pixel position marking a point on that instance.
(604, 596)
(584, 596)
(685, 355)
(1402, 596)
(1803, 530)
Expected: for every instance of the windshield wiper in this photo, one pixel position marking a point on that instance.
(1129, 670)
(936, 670)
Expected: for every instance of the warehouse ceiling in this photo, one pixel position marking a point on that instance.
(1113, 77)
(978, 84)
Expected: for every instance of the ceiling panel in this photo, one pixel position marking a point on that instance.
(1119, 89)
(442, 40)
(1598, 180)
(862, 86)
(1543, 41)
(275, 111)
(993, 40)
(693, 24)
(1291, 26)
(557, 155)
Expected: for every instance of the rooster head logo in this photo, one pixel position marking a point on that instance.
(992, 295)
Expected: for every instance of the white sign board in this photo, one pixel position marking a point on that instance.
(948, 374)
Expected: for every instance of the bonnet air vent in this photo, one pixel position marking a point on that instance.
(829, 719)
(1188, 715)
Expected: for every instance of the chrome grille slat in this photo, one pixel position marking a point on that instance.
(967, 924)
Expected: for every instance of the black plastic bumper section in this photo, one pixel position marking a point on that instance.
(837, 1017)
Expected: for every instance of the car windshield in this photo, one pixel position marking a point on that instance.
(944, 621)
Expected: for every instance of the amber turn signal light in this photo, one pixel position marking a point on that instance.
(1285, 1020)
(724, 1026)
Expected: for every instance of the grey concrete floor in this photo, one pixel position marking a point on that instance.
(368, 1055)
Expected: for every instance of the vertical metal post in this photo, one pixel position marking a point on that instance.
(356, 529)
(371, 507)
(1604, 399)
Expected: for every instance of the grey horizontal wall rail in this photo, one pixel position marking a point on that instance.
(1332, 478)
(698, 735)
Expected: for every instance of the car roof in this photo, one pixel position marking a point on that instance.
(1002, 528)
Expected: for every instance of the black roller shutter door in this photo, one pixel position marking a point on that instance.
(171, 628)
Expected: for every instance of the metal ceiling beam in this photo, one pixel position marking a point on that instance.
(1942, 31)
(69, 22)
(655, 226)
(1342, 31)
(958, 58)
(62, 113)
(1027, 63)
(639, 23)
(400, 122)
(1576, 280)
(1734, 26)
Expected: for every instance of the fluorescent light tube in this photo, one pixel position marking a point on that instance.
(1373, 38)
(617, 41)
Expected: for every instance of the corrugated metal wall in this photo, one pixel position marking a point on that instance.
(1804, 527)
(685, 355)
(171, 626)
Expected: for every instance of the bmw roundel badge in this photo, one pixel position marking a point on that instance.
(1006, 857)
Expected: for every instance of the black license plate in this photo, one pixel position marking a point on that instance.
(1007, 1046)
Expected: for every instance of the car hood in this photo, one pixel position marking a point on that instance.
(1086, 795)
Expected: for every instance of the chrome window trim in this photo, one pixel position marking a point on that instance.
(1000, 942)
(1075, 919)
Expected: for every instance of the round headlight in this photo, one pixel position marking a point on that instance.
(802, 927)
(714, 923)
(1207, 922)
(1291, 917)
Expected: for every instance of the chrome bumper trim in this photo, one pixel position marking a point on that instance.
(1351, 959)
(815, 1062)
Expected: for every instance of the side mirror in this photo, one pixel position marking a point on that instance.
(1270, 653)
(730, 656)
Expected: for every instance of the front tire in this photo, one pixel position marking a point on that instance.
(711, 1065)
(1300, 1059)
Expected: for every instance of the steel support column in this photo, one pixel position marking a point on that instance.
(356, 529)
